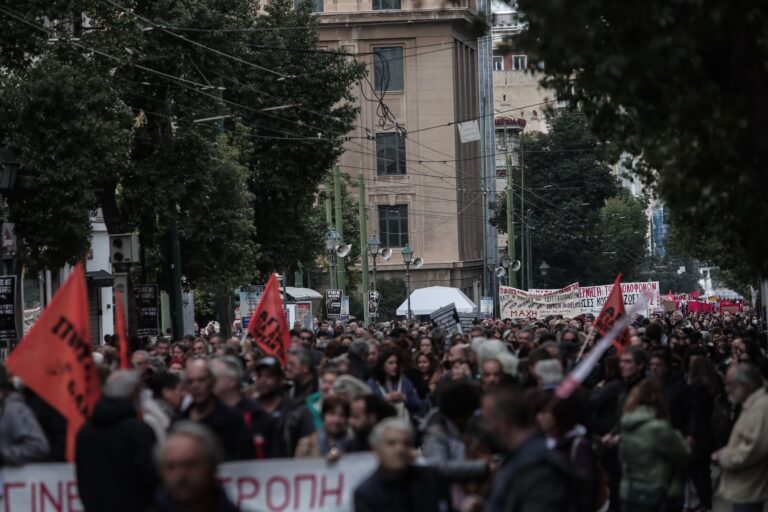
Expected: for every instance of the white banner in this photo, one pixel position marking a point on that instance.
(310, 485)
(593, 297)
(516, 303)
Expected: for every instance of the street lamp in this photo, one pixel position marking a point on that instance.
(373, 248)
(407, 253)
(332, 240)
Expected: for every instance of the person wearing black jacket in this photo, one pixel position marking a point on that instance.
(397, 484)
(206, 409)
(113, 459)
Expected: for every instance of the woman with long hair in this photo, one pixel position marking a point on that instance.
(430, 370)
(649, 449)
(392, 385)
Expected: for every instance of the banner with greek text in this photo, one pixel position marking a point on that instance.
(515, 303)
(593, 298)
(302, 485)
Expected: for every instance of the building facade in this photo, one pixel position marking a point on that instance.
(424, 187)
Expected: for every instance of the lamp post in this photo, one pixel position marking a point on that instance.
(407, 253)
(373, 248)
(544, 270)
(332, 240)
(505, 265)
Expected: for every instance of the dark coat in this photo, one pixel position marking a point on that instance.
(534, 479)
(113, 459)
(221, 503)
(421, 489)
(229, 426)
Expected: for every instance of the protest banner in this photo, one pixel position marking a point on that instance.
(147, 310)
(121, 333)
(54, 360)
(306, 485)
(333, 303)
(8, 332)
(268, 326)
(515, 303)
(447, 318)
(593, 298)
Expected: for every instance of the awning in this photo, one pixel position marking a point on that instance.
(298, 294)
(425, 301)
(99, 279)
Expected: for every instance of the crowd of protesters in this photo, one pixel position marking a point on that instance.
(464, 422)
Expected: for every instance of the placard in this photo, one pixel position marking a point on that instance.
(8, 333)
(147, 303)
(333, 303)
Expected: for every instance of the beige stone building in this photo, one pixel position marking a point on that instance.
(423, 186)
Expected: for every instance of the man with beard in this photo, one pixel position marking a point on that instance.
(365, 413)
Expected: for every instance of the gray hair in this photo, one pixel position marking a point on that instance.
(390, 423)
(359, 347)
(201, 433)
(747, 375)
(228, 366)
(140, 353)
(121, 384)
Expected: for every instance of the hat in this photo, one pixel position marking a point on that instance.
(271, 363)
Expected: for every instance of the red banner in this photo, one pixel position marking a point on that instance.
(268, 326)
(54, 359)
(612, 311)
(121, 334)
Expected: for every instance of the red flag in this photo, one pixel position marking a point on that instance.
(121, 333)
(612, 311)
(54, 359)
(268, 326)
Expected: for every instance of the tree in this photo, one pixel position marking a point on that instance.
(393, 293)
(679, 86)
(567, 183)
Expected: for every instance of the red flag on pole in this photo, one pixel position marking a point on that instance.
(612, 311)
(54, 359)
(121, 333)
(268, 326)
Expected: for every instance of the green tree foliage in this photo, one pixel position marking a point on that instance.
(393, 293)
(103, 106)
(679, 85)
(575, 206)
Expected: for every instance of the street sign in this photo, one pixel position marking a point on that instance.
(447, 318)
(147, 302)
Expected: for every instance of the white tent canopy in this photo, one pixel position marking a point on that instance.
(426, 300)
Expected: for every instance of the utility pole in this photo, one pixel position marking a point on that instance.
(177, 315)
(339, 223)
(363, 244)
(511, 252)
(523, 254)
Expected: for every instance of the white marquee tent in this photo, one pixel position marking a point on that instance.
(426, 300)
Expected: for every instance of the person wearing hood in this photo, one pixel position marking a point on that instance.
(113, 458)
(650, 450)
(21, 438)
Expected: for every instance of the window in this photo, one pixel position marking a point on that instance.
(381, 5)
(388, 68)
(390, 154)
(317, 4)
(393, 225)
(519, 62)
(498, 63)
